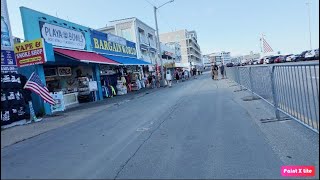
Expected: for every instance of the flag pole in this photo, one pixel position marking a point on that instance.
(261, 47)
(33, 117)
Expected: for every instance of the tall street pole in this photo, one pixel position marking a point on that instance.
(159, 46)
(158, 38)
(308, 4)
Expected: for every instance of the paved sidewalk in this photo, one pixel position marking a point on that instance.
(20, 133)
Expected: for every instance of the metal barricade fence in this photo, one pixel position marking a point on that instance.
(292, 89)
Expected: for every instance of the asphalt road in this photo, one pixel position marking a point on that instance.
(193, 130)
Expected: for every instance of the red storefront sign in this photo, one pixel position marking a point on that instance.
(30, 53)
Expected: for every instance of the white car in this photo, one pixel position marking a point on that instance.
(266, 60)
(310, 55)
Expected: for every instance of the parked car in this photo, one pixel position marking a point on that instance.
(261, 61)
(270, 59)
(254, 62)
(292, 58)
(278, 59)
(301, 57)
(310, 55)
(317, 53)
(229, 64)
(281, 59)
(266, 59)
(236, 64)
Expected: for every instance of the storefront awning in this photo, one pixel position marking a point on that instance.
(127, 60)
(84, 56)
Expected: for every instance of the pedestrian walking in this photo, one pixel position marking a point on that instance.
(169, 78)
(177, 76)
(153, 81)
(215, 72)
(150, 80)
(194, 72)
(222, 70)
(186, 74)
(212, 72)
(182, 76)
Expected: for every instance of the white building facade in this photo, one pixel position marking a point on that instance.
(136, 31)
(220, 57)
(206, 61)
(170, 54)
(190, 49)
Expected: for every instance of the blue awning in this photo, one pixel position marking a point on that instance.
(126, 60)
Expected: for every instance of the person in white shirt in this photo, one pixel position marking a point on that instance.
(169, 78)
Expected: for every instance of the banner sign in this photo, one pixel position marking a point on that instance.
(30, 53)
(7, 58)
(59, 102)
(8, 61)
(62, 37)
(6, 35)
(111, 44)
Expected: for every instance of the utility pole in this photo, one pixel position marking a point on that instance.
(158, 39)
(309, 16)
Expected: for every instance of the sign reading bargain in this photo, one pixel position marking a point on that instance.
(106, 43)
(30, 53)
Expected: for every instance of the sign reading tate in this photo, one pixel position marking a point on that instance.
(30, 53)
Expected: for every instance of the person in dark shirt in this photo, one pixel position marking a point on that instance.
(27, 97)
(26, 92)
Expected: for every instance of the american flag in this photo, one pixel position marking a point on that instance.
(34, 84)
(266, 46)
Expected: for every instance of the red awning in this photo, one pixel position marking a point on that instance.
(84, 56)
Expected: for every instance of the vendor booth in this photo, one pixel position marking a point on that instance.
(82, 64)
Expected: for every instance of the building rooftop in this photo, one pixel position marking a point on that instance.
(130, 19)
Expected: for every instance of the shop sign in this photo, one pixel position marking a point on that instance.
(64, 71)
(93, 86)
(168, 53)
(62, 37)
(8, 62)
(59, 102)
(111, 44)
(30, 53)
(6, 35)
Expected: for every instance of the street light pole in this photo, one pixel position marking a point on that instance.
(158, 39)
(308, 4)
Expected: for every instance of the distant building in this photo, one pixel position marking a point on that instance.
(220, 57)
(170, 54)
(206, 61)
(252, 56)
(190, 49)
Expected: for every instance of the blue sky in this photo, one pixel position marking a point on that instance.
(228, 25)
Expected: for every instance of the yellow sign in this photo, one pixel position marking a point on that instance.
(112, 46)
(30, 53)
